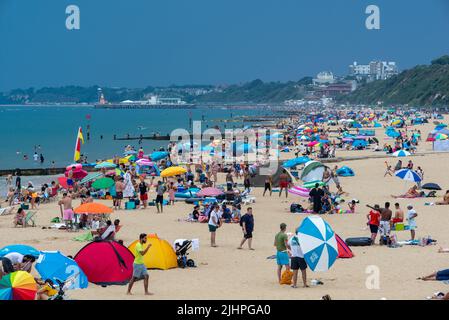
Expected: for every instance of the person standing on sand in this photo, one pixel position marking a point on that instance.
(143, 191)
(119, 187)
(411, 215)
(247, 224)
(317, 194)
(268, 186)
(297, 261)
(160, 189)
(139, 268)
(283, 183)
(129, 187)
(386, 215)
(282, 258)
(67, 213)
(374, 222)
(214, 224)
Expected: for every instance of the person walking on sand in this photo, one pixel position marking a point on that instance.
(268, 185)
(214, 224)
(129, 187)
(67, 213)
(139, 268)
(282, 258)
(297, 261)
(247, 224)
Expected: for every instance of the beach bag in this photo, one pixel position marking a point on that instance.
(294, 207)
(286, 277)
(130, 205)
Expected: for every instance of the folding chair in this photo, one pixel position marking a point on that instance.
(30, 219)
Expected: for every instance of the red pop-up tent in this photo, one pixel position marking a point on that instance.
(343, 250)
(106, 263)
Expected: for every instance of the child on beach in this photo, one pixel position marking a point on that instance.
(171, 193)
(374, 221)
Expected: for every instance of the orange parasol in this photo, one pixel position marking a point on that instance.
(93, 208)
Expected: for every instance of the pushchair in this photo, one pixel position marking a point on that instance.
(182, 247)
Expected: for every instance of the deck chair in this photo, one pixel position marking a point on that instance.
(6, 211)
(29, 219)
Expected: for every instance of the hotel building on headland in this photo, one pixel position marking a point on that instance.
(375, 70)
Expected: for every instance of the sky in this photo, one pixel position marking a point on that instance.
(137, 43)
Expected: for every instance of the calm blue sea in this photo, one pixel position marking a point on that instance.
(23, 128)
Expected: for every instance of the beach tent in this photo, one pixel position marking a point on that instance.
(345, 172)
(106, 262)
(313, 171)
(343, 250)
(158, 155)
(296, 161)
(161, 254)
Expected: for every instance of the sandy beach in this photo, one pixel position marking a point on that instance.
(227, 273)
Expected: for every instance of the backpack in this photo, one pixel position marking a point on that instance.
(295, 207)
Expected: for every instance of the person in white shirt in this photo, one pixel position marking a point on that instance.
(14, 262)
(411, 215)
(297, 261)
(214, 224)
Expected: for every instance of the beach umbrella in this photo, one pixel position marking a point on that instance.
(207, 148)
(91, 176)
(245, 148)
(103, 183)
(173, 171)
(63, 182)
(318, 243)
(312, 144)
(209, 192)
(19, 248)
(78, 175)
(347, 139)
(401, 153)
(430, 186)
(441, 136)
(359, 143)
(19, 285)
(298, 191)
(105, 165)
(158, 155)
(296, 161)
(313, 171)
(93, 208)
(408, 175)
(129, 152)
(55, 266)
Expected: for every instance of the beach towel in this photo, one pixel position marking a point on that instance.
(84, 237)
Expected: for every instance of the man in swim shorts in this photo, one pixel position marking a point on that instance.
(67, 210)
(282, 258)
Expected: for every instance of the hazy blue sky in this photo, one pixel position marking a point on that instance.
(136, 43)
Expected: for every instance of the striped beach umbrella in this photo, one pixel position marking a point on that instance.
(401, 153)
(318, 243)
(408, 175)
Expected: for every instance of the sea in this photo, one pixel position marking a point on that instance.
(51, 130)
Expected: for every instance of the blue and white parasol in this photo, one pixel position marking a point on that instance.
(318, 243)
(408, 175)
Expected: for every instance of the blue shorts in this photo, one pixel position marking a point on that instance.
(282, 258)
(139, 271)
(443, 275)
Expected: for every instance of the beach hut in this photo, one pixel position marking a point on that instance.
(106, 263)
(161, 254)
